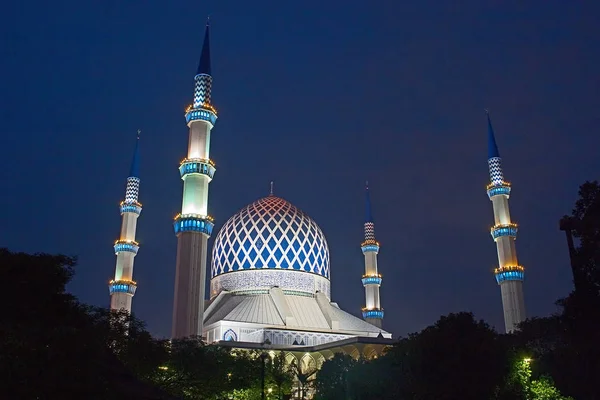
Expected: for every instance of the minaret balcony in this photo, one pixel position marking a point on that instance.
(193, 223)
(373, 313)
(502, 188)
(504, 230)
(197, 166)
(371, 279)
(205, 112)
(132, 207)
(509, 273)
(130, 246)
(122, 286)
(370, 245)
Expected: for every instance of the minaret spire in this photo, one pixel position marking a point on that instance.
(193, 226)
(204, 64)
(372, 312)
(122, 288)
(509, 273)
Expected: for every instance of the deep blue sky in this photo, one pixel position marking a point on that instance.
(318, 96)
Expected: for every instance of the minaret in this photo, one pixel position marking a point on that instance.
(372, 312)
(193, 226)
(122, 288)
(509, 273)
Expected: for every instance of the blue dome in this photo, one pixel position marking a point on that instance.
(270, 234)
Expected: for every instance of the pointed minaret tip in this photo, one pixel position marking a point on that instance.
(271, 191)
(492, 146)
(368, 213)
(134, 171)
(204, 64)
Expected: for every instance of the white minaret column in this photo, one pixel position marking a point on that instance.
(509, 273)
(193, 226)
(372, 312)
(123, 287)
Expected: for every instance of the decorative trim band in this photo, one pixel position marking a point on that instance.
(373, 314)
(122, 286)
(130, 246)
(193, 223)
(504, 230)
(197, 166)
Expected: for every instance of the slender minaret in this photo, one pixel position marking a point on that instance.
(509, 273)
(372, 312)
(193, 226)
(122, 288)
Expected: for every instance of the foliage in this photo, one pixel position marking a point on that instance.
(54, 347)
(280, 375)
(587, 231)
(304, 377)
(333, 380)
(198, 371)
(564, 345)
(520, 384)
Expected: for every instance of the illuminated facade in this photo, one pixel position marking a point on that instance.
(270, 282)
(122, 287)
(509, 273)
(193, 226)
(372, 312)
(270, 267)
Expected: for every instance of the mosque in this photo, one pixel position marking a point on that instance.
(270, 269)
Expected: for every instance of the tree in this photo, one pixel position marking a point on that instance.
(333, 380)
(587, 231)
(304, 377)
(54, 347)
(458, 357)
(280, 375)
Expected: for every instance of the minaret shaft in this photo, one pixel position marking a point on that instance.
(509, 273)
(372, 312)
(123, 287)
(193, 226)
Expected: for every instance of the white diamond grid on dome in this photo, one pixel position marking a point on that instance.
(270, 233)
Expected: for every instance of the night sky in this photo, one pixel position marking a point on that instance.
(318, 98)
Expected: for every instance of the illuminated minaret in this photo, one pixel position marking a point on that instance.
(122, 288)
(509, 273)
(372, 312)
(193, 226)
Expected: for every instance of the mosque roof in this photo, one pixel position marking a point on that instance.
(270, 234)
(310, 313)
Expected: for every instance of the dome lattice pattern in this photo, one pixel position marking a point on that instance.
(270, 233)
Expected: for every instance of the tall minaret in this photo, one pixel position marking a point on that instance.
(372, 312)
(193, 226)
(509, 273)
(122, 288)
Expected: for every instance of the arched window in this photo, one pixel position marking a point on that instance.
(230, 336)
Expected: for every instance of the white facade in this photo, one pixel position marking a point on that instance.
(270, 282)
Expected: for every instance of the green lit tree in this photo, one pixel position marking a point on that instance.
(280, 375)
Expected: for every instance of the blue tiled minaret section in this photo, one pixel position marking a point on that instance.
(371, 280)
(494, 160)
(203, 78)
